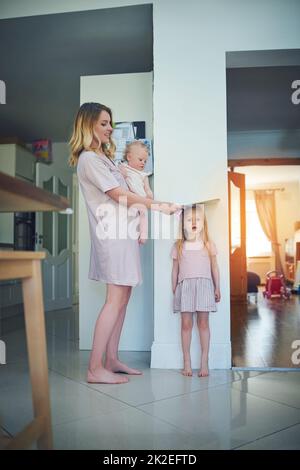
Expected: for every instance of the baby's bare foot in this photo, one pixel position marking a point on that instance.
(118, 366)
(105, 376)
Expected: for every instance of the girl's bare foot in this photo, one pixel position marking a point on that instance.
(203, 372)
(104, 376)
(187, 370)
(118, 366)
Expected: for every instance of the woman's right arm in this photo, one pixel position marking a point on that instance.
(125, 197)
(175, 270)
(99, 174)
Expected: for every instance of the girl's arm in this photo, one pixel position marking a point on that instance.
(216, 277)
(128, 199)
(175, 270)
(147, 188)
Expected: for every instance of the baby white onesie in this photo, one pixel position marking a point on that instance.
(135, 180)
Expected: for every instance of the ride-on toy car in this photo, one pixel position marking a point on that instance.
(275, 286)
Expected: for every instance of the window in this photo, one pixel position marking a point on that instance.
(256, 241)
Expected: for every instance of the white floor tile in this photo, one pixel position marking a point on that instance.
(69, 401)
(288, 439)
(131, 429)
(222, 417)
(283, 387)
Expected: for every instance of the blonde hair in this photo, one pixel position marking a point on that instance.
(134, 143)
(83, 132)
(181, 234)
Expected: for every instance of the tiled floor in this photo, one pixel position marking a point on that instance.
(262, 334)
(159, 410)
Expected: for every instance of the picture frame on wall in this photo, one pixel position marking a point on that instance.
(42, 149)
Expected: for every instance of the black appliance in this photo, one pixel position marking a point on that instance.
(24, 231)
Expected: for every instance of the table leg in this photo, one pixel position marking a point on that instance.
(37, 350)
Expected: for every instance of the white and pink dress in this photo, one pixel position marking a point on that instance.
(195, 289)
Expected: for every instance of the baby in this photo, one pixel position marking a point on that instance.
(135, 156)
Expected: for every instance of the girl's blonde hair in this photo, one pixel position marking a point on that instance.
(134, 143)
(83, 132)
(181, 235)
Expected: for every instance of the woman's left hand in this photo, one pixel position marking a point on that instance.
(169, 208)
(217, 295)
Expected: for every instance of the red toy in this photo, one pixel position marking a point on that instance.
(275, 286)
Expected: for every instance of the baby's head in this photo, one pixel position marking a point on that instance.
(136, 154)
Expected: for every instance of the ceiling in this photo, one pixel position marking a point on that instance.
(259, 98)
(43, 57)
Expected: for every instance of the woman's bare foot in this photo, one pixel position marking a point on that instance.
(104, 376)
(118, 366)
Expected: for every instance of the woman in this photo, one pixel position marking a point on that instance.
(114, 257)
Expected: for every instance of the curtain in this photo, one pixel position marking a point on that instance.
(266, 210)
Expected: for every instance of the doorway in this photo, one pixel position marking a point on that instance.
(264, 206)
(264, 322)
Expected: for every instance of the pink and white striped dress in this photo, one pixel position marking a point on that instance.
(195, 289)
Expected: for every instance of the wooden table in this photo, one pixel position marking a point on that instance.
(19, 196)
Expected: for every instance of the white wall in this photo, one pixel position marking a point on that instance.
(18, 8)
(130, 98)
(129, 95)
(61, 154)
(190, 133)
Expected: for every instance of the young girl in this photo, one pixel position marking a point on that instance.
(195, 282)
(135, 156)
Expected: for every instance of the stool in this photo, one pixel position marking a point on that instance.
(26, 265)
